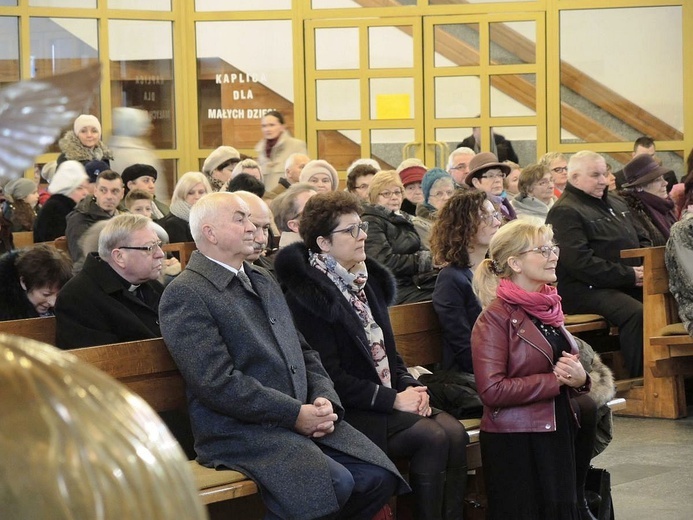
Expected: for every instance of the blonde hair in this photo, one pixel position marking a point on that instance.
(380, 181)
(185, 184)
(509, 241)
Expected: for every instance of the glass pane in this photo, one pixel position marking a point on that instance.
(339, 147)
(387, 146)
(338, 99)
(392, 98)
(350, 4)
(60, 45)
(238, 83)
(390, 47)
(8, 3)
(63, 3)
(241, 5)
(512, 43)
(138, 5)
(456, 45)
(513, 95)
(9, 50)
(456, 2)
(519, 141)
(457, 96)
(170, 176)
(337, 48)
(603, 101)
(452, 138)
(142, 74)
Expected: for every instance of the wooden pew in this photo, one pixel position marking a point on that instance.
(182, 251)
(23, 239)
(39, 329)
(667, 347)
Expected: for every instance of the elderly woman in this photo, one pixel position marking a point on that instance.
(538, 425)
(557, 165)
(30, 280)
(275, 147)
(536, 194)
(645, 192)
(486, 174)
(394, 241)
(412, 177)
(83, 143)
(24, 197)
(437, 186)
(339, 301)
(69, 185)
(189, 189)
(219, 165)
(320, 174)
(459, 241)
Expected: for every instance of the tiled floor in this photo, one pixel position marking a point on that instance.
(651, 466)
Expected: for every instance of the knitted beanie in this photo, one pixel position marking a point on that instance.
(412, 174)
(429, 180)
(67, 178)
(18, 189)
(86, 120)
(319, 166)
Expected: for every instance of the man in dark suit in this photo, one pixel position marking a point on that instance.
(116, 295)
(260, 401)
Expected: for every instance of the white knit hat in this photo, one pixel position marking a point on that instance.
(319, 166)
(86, 120)
(219, 157)
(67, 178)
(132, 122)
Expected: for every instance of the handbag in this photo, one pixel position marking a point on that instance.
(598, 493)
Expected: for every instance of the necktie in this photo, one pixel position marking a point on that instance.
(243, 278)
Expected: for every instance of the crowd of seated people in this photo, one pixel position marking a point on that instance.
(392, 236)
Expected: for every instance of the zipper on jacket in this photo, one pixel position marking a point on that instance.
(536, 347)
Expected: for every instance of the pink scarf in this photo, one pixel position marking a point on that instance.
(545, 305)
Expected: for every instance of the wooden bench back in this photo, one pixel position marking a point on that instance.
(39, 329)
(145, 367)
(23, 239)
(417, 333)
(184, 250)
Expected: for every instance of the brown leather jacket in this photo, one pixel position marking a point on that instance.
(513, 367)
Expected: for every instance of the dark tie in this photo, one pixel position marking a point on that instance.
(243, 278)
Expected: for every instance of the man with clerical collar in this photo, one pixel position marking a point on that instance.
(115, 297)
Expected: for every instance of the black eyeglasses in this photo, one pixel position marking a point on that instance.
(353, 230)
(149, 249)
(544, 250)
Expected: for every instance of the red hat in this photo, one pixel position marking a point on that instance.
(412, 174)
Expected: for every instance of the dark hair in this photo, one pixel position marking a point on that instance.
(109, 175)
(456, 226)
(231, 162)
(321, 215)
(360, 170)
(529, 176)
(43, 266)
(246, 182)
(276, 114)
(644, 142)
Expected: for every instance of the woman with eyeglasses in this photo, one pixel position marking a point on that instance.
(557, 165)
(459, 241)
(437, 186)
(538, 426)
(536, 194)
(487, 174)
(339, 300)
(394, 241)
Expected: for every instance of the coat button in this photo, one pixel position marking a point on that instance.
(273, 321)
(514, 320)
(548, 426)
(293, 369)
(522, 331)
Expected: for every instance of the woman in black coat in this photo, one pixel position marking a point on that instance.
(339, 302)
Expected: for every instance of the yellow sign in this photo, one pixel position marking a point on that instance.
(393, 106)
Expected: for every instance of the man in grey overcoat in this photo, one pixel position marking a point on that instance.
(260, 400)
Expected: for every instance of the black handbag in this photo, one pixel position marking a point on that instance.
(598, 493)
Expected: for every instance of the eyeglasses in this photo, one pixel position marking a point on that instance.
(544, 250)
(353, 230)
(149, 249)
(560, 169)
(493, 174)
(488, 218)
(388, 194)
(439, 194)
(461, 166)
(362, 187)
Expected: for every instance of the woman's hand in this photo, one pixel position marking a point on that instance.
(414, 400)
(569, 371)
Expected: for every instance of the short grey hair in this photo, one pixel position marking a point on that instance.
(204, 210)
(577, 162)
(245, 163)
(285, 208)
(364, 160)
(550, 157)
(462, 150)
(117, 231)
(408, 163)
(292, 159)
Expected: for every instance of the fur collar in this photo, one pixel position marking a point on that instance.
(315, 291)
(73, 149)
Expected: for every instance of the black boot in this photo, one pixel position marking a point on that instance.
(428, 494)
(455, 489)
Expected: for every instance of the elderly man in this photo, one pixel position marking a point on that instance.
(287, 209)
(260, 401)
(292, 171)
(592, 228)
(116, 295)
(261, 218)
(102, 205)
(458, 165)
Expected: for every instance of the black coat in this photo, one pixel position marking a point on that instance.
(591, 233)
(51, 221)
(96, 308)
(178, 229)
(505, 149)
(331, 326)
(14, 305)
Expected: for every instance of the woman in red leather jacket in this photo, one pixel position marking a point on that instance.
(538, 425)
